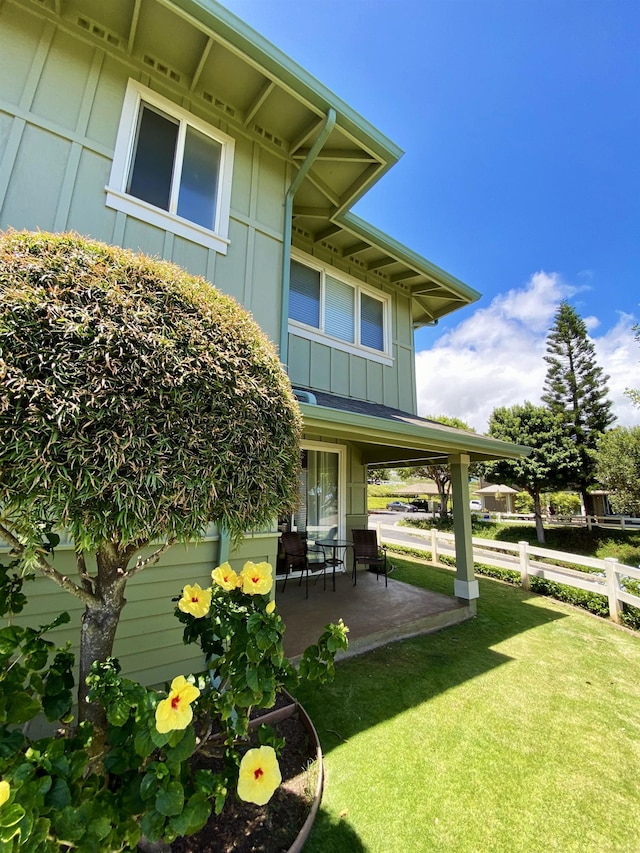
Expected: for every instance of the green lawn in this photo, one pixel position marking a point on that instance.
(516, 731)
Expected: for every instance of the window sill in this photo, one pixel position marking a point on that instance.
(165, 220)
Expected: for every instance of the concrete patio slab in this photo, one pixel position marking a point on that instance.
(374, 614)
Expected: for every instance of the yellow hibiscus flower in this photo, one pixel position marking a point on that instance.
(5, 792)
(256, 578)
(195, 601)
(175, 712)
(271, 606)
(259, 775)
(225, 577)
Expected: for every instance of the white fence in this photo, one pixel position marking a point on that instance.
(610, 522)
(606, 578)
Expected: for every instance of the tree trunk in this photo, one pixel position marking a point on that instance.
(537, 514)
(443, 504)
(98, 632)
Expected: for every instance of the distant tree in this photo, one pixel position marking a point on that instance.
(440, 474)
(554, 461)
(634, 393)
(618, 468)
(576, 388)
(378, 475)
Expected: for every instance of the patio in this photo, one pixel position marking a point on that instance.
(375, 615)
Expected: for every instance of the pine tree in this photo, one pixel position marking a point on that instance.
(576, 387)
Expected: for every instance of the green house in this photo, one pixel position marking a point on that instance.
(171, 127)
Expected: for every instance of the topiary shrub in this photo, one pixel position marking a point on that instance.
(137, 404)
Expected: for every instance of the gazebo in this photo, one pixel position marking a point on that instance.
(499, 492)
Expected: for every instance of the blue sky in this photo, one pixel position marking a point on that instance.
(520, 122)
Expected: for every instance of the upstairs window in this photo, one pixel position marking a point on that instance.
(171, 169)
(339, 312)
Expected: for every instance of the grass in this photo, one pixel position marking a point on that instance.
(515, 731)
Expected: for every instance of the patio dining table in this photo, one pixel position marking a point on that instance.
(334, 560)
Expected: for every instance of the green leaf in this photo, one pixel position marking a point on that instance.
(117, 761)
(100, 827)
(10, 640)
(118, 711)
(11, 815)
(152, 824)
(170, 800)
(56, 707)
(184, 748)
(158, 738)
(148, 786)
(10, 742)
(59, 797)
(37, 841)
(143, 743)
(193, 817)
(253, 681)
(21, 707)
(69, 824)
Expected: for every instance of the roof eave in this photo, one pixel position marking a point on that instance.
(214, 17)
(359, 227)
(423, 439)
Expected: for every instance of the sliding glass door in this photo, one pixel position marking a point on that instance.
(321, 510)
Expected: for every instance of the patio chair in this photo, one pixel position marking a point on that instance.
(298, 557)
(367, 552)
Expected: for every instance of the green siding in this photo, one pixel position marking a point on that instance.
(60, 106)
(319, 367)
(340, 372)
(55, 160)
(149, 638)
(17, 55)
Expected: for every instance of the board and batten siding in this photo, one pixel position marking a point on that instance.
(149, 638)
(60, 103)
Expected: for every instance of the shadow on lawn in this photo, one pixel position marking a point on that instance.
(376, 686)
(379, 684)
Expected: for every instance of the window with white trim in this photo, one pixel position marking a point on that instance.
(325, 305)
(171, 169)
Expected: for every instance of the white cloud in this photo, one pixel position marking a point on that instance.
(618, 354)
(495, 357)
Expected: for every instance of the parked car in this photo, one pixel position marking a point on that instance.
(400, 506)
(420, 505)
(475, 505)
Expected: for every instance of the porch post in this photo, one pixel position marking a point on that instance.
(466, 586)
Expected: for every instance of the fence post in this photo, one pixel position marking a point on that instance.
(589, 524)
(615, 607)
(434, 545)
(524, 563)
(623, 525)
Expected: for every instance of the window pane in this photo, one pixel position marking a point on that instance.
(304, 295)
(152, 164)
(199, 180)
(371, 322)
(339, 310)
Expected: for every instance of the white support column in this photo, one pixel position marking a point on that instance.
(466, 586)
